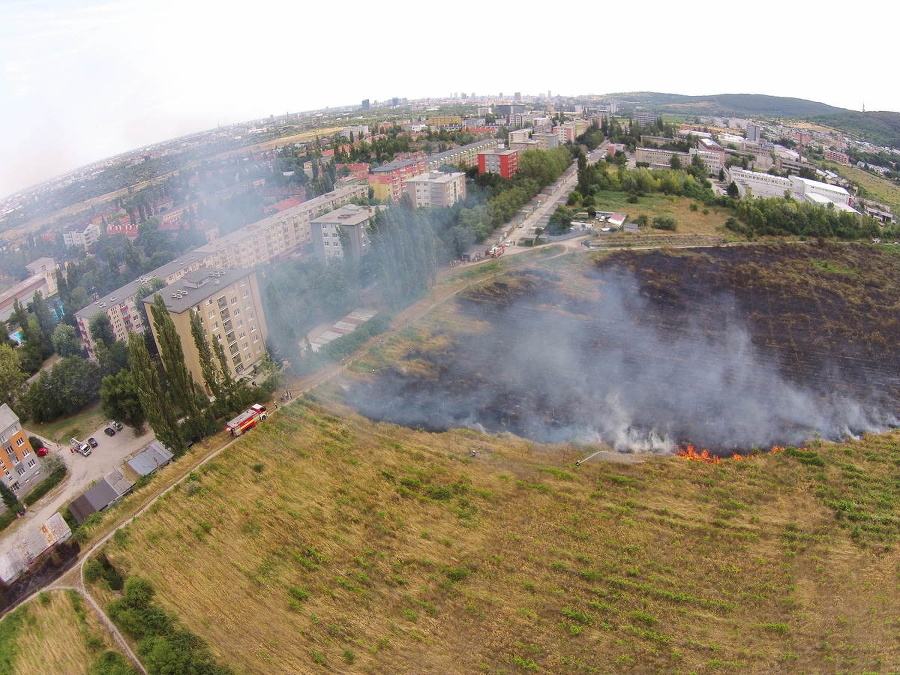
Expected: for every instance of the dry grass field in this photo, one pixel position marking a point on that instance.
(57, 633)
(689, 222)
(323, 542)
(881, 189)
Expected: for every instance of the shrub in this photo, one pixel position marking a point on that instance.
(665, 223)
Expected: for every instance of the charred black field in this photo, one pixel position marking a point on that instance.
(726, 348)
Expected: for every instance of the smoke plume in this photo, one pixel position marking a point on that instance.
(612, 368)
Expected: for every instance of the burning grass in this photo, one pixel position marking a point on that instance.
(366, 547)
(733, 347)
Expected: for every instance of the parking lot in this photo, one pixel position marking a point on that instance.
(109, 454)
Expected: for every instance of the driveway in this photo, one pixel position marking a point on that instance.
(109, 454)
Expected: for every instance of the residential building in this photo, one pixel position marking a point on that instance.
(230, 309)
(121, 306)
(445, 122)
(837, 156)
(462, 156)
(645, 118)
(753, 133)
(502, 162)
(42, 281)
(658, 158)
(435, 188)
(45, 267)
(387, 180)
(17, 459)
(83, 238)
(349, 223)
(278, 235)
(261, 242)
(546, 141)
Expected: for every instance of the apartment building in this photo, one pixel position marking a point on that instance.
(387, 180)
(837, 156)
(464, 155)
(230, 309)
(83, 238)
(435, 188)
(277, 235)
(42, 281)
(17, 458)
(259, 243)
(546, 141)
(350, 223)
(502, 162)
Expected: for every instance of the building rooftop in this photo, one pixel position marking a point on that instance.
(197, 286)
(7, 417)
(397, 164)
(128, 290)
(435, 177)
(150, 459)
(349, 215)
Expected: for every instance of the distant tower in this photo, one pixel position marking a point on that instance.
(864, 106)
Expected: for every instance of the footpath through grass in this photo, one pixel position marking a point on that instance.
(359, 547)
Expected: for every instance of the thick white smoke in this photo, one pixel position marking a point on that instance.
(555, 368)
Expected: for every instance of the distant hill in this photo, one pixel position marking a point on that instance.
(882, 128)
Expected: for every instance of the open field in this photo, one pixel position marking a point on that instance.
(58, 633)
(652, 205)
(365, 547)
(881, 189)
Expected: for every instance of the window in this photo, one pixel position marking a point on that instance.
(9, 450)
(31, 463)
(20, 442)
(20, 470)
(209, 301)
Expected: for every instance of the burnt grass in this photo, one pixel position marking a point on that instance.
(729, 348)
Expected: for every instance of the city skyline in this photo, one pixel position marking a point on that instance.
(83, 80)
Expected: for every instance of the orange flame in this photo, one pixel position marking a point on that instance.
(690, 453)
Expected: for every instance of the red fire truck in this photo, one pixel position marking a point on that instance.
(247, 419)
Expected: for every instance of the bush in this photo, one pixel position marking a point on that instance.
(665, 223)
(57, 474)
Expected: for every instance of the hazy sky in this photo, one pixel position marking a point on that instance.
(81, 80)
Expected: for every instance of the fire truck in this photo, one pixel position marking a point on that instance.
(247, 419)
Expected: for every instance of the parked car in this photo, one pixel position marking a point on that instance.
(41, 452)
(117, 425)
(93, 442)
(109, 431)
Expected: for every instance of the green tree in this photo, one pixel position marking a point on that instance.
(120, 400)
(65, 341)
(12, 379)
(100, 329)
(675, 162)
(732, 190)
(207, 365)
(9, 499)
(155, 397)
(44, 316)
(171, 352)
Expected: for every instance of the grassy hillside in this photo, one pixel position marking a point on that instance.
(880, 127)
(323, 542)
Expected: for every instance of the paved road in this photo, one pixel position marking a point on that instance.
(83, 471)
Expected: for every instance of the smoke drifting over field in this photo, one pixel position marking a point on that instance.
(622, 369)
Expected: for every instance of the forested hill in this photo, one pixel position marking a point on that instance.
(881, 127)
